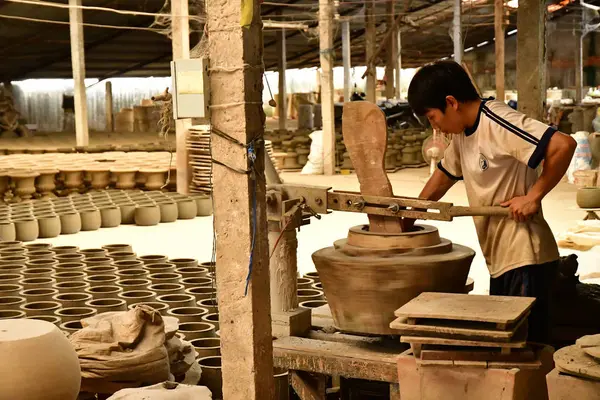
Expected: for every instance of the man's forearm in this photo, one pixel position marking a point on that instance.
(437, 186)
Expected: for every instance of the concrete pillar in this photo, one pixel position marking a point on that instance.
(347, 59)
(457, 31)
(390, 52)
(180, 41)
(370, 44)
(78, 65)
(326, 58)
(281, 67)
(108, 107)
(499, 47)
(235, 47)
(531, 60)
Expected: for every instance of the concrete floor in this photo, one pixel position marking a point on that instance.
(193, 238)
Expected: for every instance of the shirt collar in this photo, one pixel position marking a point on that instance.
(471, 130)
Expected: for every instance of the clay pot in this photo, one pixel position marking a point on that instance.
(161, 308)
(101, 270)
(65, 249)
(20, 260)
(12, 314)
(101, 280)
(127, 212)
(42, 263)
(40, 308)
(75, 313)
(91, 219)
(160, 268)
(111, 248)
(304, 283)
(155, 178)
(70, 267)
(122, 255)
(104, 292)
(40, 294)
(147, 214)
(196, 330)
(317, 286)
(99, 177)
(69, 258)
(12, 251)
(70, 222)
(192, 272)
(73, 178)
(310, 304)
(309, 294)
(384, 271)
(10, 289)
(7, 231)
(177, 300)
(69, 276)
(153, 259)
(52, 319)
(186, 208)
(89, 253)
(588, 197)
(203, 205)
(212, 318)
(210, 304)
(184, 262)
(111, 217)
(97, 261)
(26, 230)
(313, 275)
(167, 288)
(71, 287)
(70, 300)
(128, 264)
(31, 272)
(211, 375)
(169, 211)
(133, 273)
(201, 293)
(41, 255)
(45, 182)
(24, 184)
(107, 305)
(71, 327)
(207, 347)
(134, 284)
(49, 226)
(12, 302)
(37, 282)
(165, 277)
(137, 296)
(192, 282)
(11, 244)
(38, 350)
(11, 268)
(125, 177)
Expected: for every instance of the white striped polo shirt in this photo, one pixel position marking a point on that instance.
(498, 158)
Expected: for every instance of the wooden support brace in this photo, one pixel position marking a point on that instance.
(308, 386)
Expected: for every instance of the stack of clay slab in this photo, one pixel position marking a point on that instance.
(198, 145)
(289, 149)
(577, 371)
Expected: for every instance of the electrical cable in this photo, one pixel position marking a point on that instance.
(49, 21)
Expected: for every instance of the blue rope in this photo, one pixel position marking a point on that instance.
(252, 158)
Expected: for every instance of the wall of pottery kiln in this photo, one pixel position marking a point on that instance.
(40, 100)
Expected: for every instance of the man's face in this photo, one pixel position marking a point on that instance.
(448, 121)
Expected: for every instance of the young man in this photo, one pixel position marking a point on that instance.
(497, 151)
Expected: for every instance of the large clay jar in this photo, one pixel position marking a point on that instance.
(26, 229)
(147, 214)
(588, 197)
(196, 330)
(383, 271)
(207, 347)
(211, 375)
(49, 226)
(37, 362)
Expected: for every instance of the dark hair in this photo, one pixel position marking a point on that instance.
(432, 83)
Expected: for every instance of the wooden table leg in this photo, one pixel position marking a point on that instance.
(308, 386)
(394, 391)
(591, 215)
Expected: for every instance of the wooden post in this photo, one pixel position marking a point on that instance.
(391, 54)
(457, 31)
(499, 35)
(180, 42)
(531, 62)
(399, 63)
(235, 46)
(281, 67)
(78, 65)
(578, 67)
(370, 48)
(347, 60)
(108, 107)
(326, 58)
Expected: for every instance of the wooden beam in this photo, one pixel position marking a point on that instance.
(108, 107)
(326, 58)
(180, 37)
(499, 47)
(307, 386)
(78, 65)
(391, 52)
(457, 37)
(398, 71)
(531, 61)
(371, 91)
(236, 51)
(281, 67)
(347, 60)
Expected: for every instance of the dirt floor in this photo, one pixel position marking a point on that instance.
(193, 238)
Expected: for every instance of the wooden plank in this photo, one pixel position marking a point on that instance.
(518, 342)
(326, 83)
(236, 53)
(365, 135)
(370, 37)
(499, 47)
(108, 107)
(78, 66)
(307, 386)
(451, 329)
(463, 307)
(281, 68)
(376, 363)
(346, 60)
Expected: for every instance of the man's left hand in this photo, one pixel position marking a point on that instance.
(522, 208)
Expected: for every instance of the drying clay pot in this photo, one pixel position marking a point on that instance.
(125, 177)
(104, 292)
(128, 264)
(153, 259)
(588, 197)
(166, 277)
(99, 177)
(212, 318)
(309, 294)
(37, 362)
(10, 289)
(7, 231)
(41, 255)
(70, 222)
(89, 253)
(161, 308)
(186, 208)
(203, 205)
(107, 305)
(193, 282)
(147, 214)
(110, 217)
(155, 178)
(12, 314)
(137, 296)
(310, 304)
(304, 283)
(75, 313)
(169, 211)
(65, 249)
(133, 284)
(207, 347)
(156, 268)
(167, 288)
(24, 184)
(40, 308)
(177, 300)
(127, 212)
(211, 375)
(210, 304)
(91, 219)
(49, 226)
(71, 287)
(122, 256)
(190, 314)
(69, 300)
(45, 182)
(12, 302)
(26, 230)
(184, 262)
(197, 330)
(383, 271)
(110, 248)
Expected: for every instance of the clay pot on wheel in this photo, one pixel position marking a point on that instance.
(211, 375)
(588, 197)
(147, 214)
(38, 350)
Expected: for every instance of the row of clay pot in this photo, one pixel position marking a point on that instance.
(92, 211)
